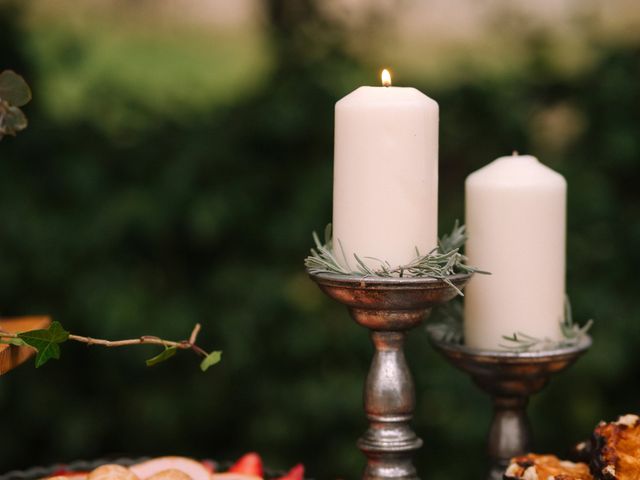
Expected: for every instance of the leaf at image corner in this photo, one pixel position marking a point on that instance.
(210, 360)
(13, 121)
(166, 354)
(46, 342)
(14, 89)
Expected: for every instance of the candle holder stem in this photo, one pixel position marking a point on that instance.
(389, 402)
(389, 307)
(509, 433)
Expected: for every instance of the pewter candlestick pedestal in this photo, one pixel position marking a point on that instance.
(389, 307)
(510, 378)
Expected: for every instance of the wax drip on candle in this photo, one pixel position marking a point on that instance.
(386, 78)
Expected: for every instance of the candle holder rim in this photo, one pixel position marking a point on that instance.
(358, 281)
(506, 355)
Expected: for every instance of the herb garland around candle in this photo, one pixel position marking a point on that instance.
(572, 334)
(440, 263)
(448, 328)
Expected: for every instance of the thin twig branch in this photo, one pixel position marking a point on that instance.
(194, 334)
(46, 343)
(143, 340)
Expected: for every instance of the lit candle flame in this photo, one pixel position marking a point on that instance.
(386, 78)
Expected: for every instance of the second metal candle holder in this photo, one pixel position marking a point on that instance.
(510, 378)
(389, 307)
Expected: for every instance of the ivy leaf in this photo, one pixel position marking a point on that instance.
(46, 342)
(14, 89)
(166, 354)
(18, 342)
(210, 360)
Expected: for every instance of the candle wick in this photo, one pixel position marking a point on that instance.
(515, 153)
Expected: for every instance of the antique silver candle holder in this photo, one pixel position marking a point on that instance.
(510, 378)
(389, 307)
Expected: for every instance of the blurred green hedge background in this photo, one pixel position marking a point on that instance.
(179, 155)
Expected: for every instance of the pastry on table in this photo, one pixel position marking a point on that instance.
(248, 467)
(545, 467)
(615, 449)
(112, 472)
(154, 467)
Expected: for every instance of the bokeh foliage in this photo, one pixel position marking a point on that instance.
(149, 230)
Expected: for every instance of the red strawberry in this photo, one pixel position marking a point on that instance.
(296, 473)
(249, 464)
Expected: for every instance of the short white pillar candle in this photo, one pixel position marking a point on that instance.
(516, 222)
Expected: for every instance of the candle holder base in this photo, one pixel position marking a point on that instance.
(389, 307)
(510, 378)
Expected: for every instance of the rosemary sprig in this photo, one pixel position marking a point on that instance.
(321, 259)
(448, 328)
(572, 335)
(440, 263)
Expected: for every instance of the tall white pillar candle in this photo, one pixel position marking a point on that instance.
(516, 222)
(385, 190)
